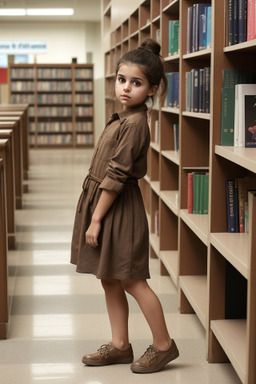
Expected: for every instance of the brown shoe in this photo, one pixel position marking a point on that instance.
(108, 354)
(154, 360)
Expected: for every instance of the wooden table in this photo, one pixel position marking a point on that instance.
(7, 153)
(20, 110)
(17, 160)
(4, 315)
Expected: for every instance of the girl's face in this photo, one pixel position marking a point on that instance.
(132, 86)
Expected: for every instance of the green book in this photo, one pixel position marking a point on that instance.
(227, 116)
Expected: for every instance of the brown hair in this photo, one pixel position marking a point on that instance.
(148, 58)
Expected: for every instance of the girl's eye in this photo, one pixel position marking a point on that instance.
(121, 80)
(137, 83)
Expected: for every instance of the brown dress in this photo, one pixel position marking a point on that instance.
(119, 160)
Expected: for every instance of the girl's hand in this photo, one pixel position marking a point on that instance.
(92, 233)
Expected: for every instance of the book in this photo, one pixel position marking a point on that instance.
(173, 37)
(207, 83)
(242, 21)
(188, 91)
(176, 137)
(195, 90)
(232, 205)
(239, 127)
(208, 27)
(251, 20)
(245, 184)
(189, 29)
(202, 28)
(190, 192)
(230, 22)
(235, 22)
(172, 99)
(227, 116)
(250, 120)
(198, 18)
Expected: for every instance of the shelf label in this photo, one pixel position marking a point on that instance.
(13, 47)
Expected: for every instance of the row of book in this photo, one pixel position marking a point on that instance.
(20, 86)
(198, 192)
(54, 73)
(84, 86)
(84, 139)
(52, 139)
(241, 21)
(237, 203)
(22, 98)
(84, 111)
(51, 73)
(49, 86)
(198, 90)
(174, 26)
(54, 111)
(81, 127)
(198, 27)
(173, 94)
(238, 108)
(51, 98)
(24, 73)
(84, 98)
(83, 73)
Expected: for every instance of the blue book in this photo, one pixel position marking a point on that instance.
(232, 205)
(195, 90)
(169, 101)
(230, 22)
(198, 10)
(242, 21)
(208, 27)
(175, 89)
(189, 30)
(188, 91)
(235, 21)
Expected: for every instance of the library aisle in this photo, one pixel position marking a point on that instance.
(58, 315)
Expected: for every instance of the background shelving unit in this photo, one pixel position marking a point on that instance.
(214, 271)
(60, 98)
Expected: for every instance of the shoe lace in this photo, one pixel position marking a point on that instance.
(151, 355)
(104, 350)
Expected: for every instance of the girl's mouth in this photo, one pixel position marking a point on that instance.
(125, 97)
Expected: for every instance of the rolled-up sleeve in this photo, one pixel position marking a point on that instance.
(129, 160)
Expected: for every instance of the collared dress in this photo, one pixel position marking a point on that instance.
(118, 161)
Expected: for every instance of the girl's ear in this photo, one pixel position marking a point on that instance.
(152, 90)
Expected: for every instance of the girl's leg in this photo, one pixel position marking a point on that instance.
(118, 312)
(152, 310)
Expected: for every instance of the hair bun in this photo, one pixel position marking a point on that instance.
(151, 45)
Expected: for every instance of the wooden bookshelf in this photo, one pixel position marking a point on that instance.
(60, 98)
(195, 250)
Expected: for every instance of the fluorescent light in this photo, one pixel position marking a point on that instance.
(50, 11)
(13, 12)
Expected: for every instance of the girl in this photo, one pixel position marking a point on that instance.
(110, 237)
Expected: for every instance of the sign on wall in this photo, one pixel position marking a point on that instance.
(14, 47)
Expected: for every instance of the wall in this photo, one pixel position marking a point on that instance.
(65, 41)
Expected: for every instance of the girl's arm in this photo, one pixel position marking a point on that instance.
(105, 201)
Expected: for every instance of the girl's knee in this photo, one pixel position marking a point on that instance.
(108, 284)
(132, 286)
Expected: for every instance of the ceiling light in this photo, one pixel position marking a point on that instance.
(13, 12)
(50, 12)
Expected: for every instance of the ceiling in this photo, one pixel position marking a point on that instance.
(84, 10)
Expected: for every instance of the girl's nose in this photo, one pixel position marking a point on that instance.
(126, 87)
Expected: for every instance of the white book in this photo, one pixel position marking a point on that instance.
(239, 126)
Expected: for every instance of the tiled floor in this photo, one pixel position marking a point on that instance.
(58, 315)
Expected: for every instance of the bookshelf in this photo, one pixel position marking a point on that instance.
(60, 98)
(213, 270)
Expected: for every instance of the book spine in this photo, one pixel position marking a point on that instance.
(188, 91)
(196, 192)
(194, 28)
(208, 27)
(232, 205)
(171, 37)
(206, 194)
(189, 29)
(190, 192)
(169, 76)
(242, 20)
(235, 22)
(250, 123)
(251, 20)
(230, 22)
(195, 90)
(176, 137)
(227, 116)
(207, 71)
(175, 90)
(201, 91)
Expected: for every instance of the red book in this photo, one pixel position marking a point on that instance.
(190, 192)
(251, 19)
